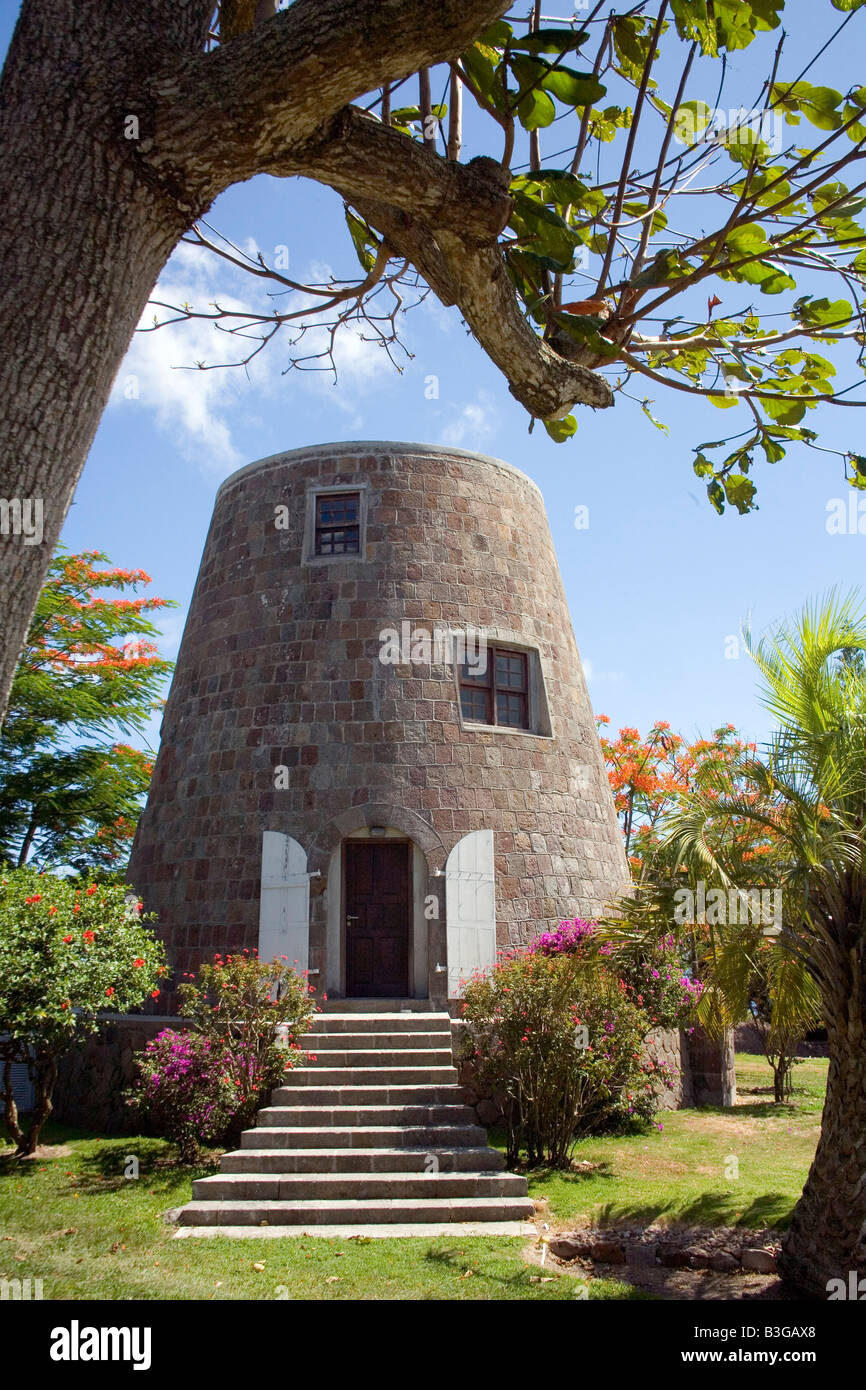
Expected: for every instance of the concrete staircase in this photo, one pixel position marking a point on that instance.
(373, 1135)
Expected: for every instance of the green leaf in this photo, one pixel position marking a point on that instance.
(691, 121)
(560, 430)
(536, 110)
(481, 65)
(550, 234)
(645, 407)
(816, 313)
(552, 41)
(362, 239)
(572, 88)
(498, 35)
(770, 278)
(772, 448)
(784, 411)
(716, 494)
(740, 492)
(820, 105)
(662, 269)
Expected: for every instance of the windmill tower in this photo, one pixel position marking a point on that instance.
(378, 755)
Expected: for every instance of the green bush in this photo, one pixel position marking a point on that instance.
(254, 1011)
(69, 952)
(183, 1090)
(561, 1038)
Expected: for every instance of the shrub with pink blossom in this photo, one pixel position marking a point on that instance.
(183, 1090)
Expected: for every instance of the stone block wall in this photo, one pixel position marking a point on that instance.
(94, 1075)
(279, 666)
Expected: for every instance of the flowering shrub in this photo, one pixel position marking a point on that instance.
(559, 1032)
(69, 951)
(257, 1010)
(183, 1089)
(206, 1084)
(655, 981)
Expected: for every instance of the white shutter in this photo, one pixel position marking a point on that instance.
(284, 912)
(470, 908)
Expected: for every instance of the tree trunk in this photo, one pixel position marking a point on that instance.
(827, 1236)
(85, 236)
(44, 1074)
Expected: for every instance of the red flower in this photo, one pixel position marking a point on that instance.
(89, 892)
(87, 936)
(138, 963)
(154, 994)
(52, 910)
(76, 908)
(67, 939)
(110, 991)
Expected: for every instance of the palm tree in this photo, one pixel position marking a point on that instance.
(803, 803)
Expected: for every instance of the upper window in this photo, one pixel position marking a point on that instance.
(338, 524)
(501, 694)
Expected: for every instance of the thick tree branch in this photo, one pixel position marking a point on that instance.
(228, 114)
(362, 158)
(477, 280)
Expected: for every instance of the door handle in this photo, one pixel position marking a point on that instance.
(351, 917)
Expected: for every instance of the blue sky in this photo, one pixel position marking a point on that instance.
(656, 583)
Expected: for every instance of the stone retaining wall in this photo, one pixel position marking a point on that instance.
(94, 1075)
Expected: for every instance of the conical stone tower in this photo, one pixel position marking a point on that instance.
(378, 754)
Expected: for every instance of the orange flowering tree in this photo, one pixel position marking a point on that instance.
(724, 922)
(69, 954)
(90, 674)
(649, 778)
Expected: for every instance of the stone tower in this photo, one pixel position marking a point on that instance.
(378, 755)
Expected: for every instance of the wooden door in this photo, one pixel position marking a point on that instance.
(378, 903)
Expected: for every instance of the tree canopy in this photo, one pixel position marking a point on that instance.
(587, 192)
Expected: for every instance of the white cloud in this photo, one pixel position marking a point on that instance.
(202, 409)
(159, 372)
(594, 677)
(473, 425)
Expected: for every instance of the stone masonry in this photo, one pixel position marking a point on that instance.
(279, 666)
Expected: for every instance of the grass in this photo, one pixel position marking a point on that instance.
(678, 1172)
(75, 1221)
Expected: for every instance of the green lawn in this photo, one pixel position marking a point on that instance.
(677, 1172)
(75, 1221)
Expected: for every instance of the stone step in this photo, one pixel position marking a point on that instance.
(415, 1056)
(368, 1160)
(316, 1187)
(375, 1023)
(355, 1213)
(448, 1093)
(381, 1006)
(361, 1137)
(366, 1115)
(304, 1077)
(409, 1039)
